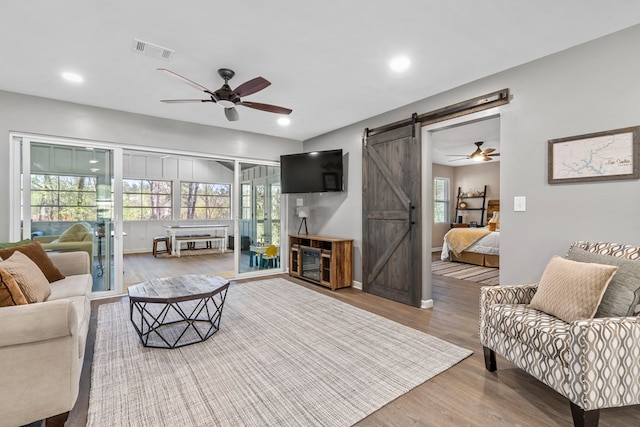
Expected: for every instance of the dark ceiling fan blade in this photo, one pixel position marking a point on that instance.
(493, 154)
(185, 80)
(458, 155)
(266, 107)
(177, 101)
(231, 114)
(252, 86)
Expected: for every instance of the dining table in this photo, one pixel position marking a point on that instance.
(189, 229)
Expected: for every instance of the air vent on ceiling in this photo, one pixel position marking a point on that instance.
(152, 50)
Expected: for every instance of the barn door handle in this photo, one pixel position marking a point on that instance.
(411, 208)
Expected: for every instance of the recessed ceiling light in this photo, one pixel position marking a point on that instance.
(284, 121)
(94, 170)
(72, 77)
(400, 64)
(93, 161)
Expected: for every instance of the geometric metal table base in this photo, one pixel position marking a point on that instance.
(182, 318)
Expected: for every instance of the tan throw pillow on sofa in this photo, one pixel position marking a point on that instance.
(572, 290)
(32, 282)
(36, 253)
(10, 293)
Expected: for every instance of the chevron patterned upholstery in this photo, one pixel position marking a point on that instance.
(594, 363)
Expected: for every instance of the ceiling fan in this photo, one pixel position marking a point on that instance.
(479, 154)
(228, 98)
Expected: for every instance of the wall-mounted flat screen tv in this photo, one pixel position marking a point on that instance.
(313, 172)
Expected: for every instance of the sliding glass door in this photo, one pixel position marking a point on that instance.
(69, 204)
(259, 219)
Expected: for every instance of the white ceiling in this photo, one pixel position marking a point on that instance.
(327, 60)
(448, 144)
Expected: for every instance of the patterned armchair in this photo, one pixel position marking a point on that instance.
(594, 363)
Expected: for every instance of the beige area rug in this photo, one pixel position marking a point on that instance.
(473, 273)
(284, 356)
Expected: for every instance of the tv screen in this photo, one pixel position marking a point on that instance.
(313, 172)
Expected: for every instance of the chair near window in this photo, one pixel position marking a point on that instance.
(78, 237)
(270, 257)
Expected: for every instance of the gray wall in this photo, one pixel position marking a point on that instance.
(29, 114)
(590, 88)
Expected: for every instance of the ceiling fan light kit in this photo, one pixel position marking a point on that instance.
(478, 155)
(226, 97)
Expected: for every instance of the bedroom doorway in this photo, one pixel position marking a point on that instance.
(450, 144)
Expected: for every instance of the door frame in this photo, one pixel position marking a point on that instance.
(15, 212)
(237, 219)
(20, 152)
(427, 187)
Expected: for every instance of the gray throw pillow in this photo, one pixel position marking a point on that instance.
(622, 296)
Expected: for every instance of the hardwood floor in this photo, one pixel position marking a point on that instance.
(465, 395)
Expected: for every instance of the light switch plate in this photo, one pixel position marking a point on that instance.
(519, 204)
(299, 202)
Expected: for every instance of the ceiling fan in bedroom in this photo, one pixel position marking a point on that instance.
(479, 154)
(229, 98)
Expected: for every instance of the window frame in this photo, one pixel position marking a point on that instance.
(61, 194)
(211, 187)
(445, 202)
(168, 184)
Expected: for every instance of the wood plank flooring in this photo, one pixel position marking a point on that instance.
(465, 395)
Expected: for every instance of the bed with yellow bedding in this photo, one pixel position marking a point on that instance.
(477, 246)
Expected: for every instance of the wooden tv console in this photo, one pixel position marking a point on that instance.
(326, 261)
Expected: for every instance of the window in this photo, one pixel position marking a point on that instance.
(275, 214)
(63, 198)
(146, 200)
(440, 200)
(246, 201)
(205, 201)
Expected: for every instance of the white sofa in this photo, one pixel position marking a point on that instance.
(42, 346)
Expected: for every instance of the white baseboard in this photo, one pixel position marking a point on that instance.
(356, 285)
(426, 303)
(436, 249)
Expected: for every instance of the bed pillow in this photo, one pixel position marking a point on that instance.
(572, 290)
(622, 296)
(10, 293)
(37, 254)
(34, 285)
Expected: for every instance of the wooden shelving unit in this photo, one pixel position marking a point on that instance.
(460, 197)
(326, 261)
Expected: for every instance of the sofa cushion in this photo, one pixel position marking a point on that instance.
(75, 233)
(33, 283)
(10, 293)
(71, 286)
(546, 333)
(622, 297)
(572, 290)
(36, 253)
